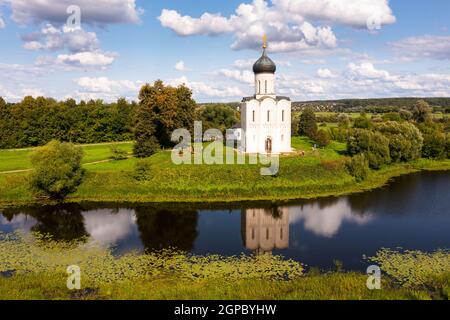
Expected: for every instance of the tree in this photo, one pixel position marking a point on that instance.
(434, 145)
(374, 145)
(405, 140)
(162, 109)
(362, 122)
(57, 169)
(421, 111)
(218, 116)
(358, 167)
(308, 123)
(322, 138)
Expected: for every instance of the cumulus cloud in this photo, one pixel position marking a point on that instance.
(99, 12)
(285, 22)
(53, 39)
(106, 85)
(244, 76)
(367, 70)
(180, 66)
(325, 73)
(204, 90)
(423, 47)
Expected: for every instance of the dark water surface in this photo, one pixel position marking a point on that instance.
(413, 212)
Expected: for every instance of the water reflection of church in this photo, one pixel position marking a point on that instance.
(265, 230)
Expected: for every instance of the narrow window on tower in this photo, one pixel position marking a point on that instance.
(268, 116)
(253, 116)
(266, 86)
(282, 115)
(259, 86)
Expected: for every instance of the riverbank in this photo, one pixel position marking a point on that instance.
(319, 173)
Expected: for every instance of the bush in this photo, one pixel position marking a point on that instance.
(373, 144)
(144, 148)
(339, 134)
(392, 116)
(405, 140)
(434, 145)
(143, 170)
(118, 154)
(322, 138)
(422, 111)
(363, 122)
(358, 167)
(57, 169)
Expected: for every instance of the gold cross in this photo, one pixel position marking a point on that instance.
(265, 41)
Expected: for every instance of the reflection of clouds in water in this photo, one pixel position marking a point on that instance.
(326, 221)
(19, 222)
(106, 228)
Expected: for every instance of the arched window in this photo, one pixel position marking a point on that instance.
(266, 86)
(282, 115)
(268, 116)
(267, 233)
(282, 137)
(259, 86)
(253, 116)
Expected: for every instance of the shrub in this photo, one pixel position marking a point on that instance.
(322, 138)
(434, 145)
(144, 148)
(57, 169)
(392, 116)
(421, 111)
(143, 170)
(118, 154)
(358, 167)
(339, 134)
(373, 144)
(406, 115)
(405, 140)
(363, 122)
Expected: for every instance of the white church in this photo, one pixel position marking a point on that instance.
(265, 117)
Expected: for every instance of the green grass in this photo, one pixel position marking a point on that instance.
(40, 265)
(319, 173)
(19, 159)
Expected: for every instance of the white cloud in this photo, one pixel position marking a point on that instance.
(244, 76)
(89, 59)
(106, 85)
(180, 66)
(53, 39)
(2, 23)
(325, 73)
(99, 12)
(423, 47)
(366, 70)
(204, 90)
(284, 21)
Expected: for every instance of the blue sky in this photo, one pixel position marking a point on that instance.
(324, 49)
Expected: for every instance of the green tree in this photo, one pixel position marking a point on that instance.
(405, 140)
(374, 145)
(162, 109)
(422, 111)
(308, 123)
(362, 122)
(322, 138)
(218, 116)
(358, 167)
(57, 170)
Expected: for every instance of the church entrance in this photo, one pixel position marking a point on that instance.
(269, 145)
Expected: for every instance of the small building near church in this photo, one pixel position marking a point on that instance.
(265, 116)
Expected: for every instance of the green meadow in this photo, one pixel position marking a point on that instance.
(319, 172)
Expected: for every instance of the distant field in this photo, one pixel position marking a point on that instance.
(19, 159)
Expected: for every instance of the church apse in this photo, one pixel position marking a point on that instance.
(265, 230)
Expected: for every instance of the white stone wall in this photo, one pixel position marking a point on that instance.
(265, 84)
(263, 119)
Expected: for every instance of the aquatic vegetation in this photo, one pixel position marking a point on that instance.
(39, 254)
(413, 268)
